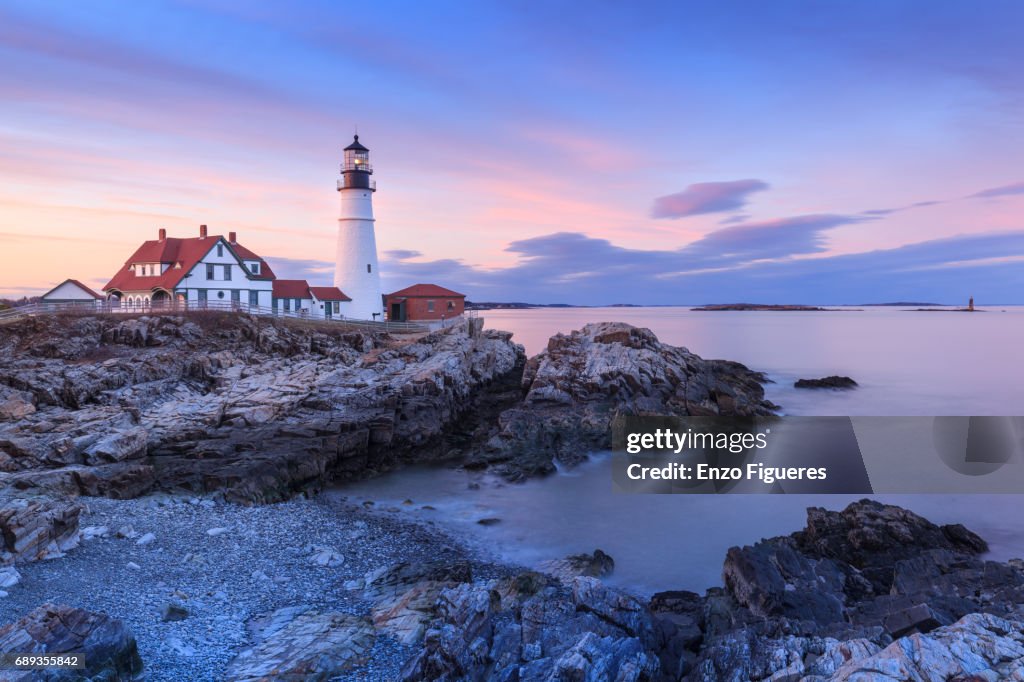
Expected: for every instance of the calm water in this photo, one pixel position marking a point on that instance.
(907, 364)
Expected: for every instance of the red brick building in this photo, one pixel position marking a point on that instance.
(423, 302)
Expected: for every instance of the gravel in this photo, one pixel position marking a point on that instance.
(224, 564)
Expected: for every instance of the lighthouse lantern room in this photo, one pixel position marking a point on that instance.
(356, 270)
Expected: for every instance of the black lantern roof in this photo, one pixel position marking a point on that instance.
(355, 146)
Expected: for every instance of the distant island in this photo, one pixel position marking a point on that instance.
(763, 306)
(901, 304)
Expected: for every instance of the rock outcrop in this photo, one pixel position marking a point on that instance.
(872, 592)
(584, 380)
(257, 407)
(846, 587)
(302, 643)
(530, 629)
(826, 382)
(109, 649)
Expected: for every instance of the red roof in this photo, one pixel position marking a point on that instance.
(246, 254)
(181, 255)
(77, 284)
(426, 291)
(291, 288)
(329, 294)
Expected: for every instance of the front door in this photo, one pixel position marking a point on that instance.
(327, 309)
(396, 312)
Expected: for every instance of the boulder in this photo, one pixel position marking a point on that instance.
(36, 529)
(596, 565)
(108, 647)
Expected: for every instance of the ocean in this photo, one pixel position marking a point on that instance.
(907, 363)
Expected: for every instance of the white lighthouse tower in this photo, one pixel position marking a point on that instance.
(355, 269)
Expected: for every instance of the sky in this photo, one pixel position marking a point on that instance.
(557, 152)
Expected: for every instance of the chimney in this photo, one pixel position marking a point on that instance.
(202, 231)
(163, 234)
(233, 237)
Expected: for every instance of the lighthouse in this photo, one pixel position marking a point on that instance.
(355, 269)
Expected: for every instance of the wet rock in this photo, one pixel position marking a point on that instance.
(596, 565)
(301, 643)
(826, 382)
(872, 537)
(109, 649)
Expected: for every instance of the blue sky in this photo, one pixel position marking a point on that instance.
(557, 152)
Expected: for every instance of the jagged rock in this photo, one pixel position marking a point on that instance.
(826, 382)
(109, 648)
(529, 630)
(977, 647)
(261, 408)
(583, 380)
(745, 655)
(301, 643)
(37, 529)
(872, 537)
(596, 565)
(405, 595)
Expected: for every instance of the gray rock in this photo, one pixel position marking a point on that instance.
(147, 539)
(37, 529)
(109, 649)
(300, 643)
(583, 380)
(174, 611)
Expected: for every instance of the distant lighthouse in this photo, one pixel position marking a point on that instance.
(355, 269)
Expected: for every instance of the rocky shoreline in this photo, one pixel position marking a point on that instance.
(216, 560)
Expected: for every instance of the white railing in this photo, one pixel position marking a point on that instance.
(115, 308)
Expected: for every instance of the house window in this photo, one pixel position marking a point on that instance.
(287, 305)
(220, 294)
(298, 304)
(254, 298)
(451, 306)
(337, 307)
(430, 306)
(254, 268)
(368, 268)
(202, 295)
(209, 271)
(220, 250)
(227, 273)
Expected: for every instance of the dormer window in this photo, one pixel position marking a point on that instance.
(254, 268)
(220, 250)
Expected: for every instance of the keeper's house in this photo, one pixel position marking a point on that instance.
(211, 271)
(423, 302)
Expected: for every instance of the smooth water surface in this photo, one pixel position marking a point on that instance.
(908, 363)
